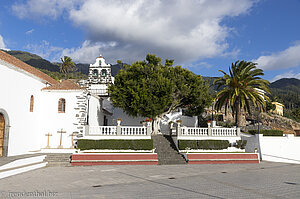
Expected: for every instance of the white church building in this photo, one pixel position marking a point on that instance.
(39, 113)
(36, 111)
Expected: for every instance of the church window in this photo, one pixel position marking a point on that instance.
(100, 62)
(61, 105)
(95, 73)
(103, 72)
(31, 103)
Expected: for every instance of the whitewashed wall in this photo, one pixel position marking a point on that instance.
(52, 121)
(16, 88)
(277, 149)
(95, 113)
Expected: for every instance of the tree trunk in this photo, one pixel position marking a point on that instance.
(238, 116)
(156, 126)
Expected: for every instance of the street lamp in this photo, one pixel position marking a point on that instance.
(88, 97)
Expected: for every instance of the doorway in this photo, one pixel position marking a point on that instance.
(2, 130)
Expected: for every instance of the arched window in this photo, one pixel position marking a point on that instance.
(31, 103)
(103, 72)
(61, 105)
(95, 73)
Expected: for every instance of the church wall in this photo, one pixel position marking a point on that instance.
(17, 88)
(72, 120)
(96, 115)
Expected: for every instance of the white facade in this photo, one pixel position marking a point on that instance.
(25, 129)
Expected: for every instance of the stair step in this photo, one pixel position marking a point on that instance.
(166, 150)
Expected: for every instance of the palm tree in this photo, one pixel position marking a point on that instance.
(241, 88)
(67, 65)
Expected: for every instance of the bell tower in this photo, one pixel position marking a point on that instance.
(99, 77)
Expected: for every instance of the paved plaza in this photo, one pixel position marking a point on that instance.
(264, 180)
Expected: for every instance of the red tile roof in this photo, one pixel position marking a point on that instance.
(64, 85)
(18, 63)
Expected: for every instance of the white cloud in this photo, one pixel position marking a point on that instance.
(42, 8)
(2, 44)
(176, 29)
(29, 32)
(287, 58)
(88, 52)
(184, 30)
(45, 50)
(289, 74)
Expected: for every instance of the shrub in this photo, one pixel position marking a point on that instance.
(115, 144)
(203, 144)
(240, 144)
(267, 132)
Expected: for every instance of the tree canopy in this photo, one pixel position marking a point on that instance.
(241, 88)
(150, 89)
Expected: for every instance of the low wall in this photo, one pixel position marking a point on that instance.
(276, 149)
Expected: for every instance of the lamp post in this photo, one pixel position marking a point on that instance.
(88, 97)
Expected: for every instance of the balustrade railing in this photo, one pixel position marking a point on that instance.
(103, 130)
(99, 91)
(188, 131)
(133, 130)
(213, 132)
(117, 130)
(223, 132)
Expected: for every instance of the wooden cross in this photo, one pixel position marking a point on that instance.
(60, 142)
(48, 145)
(73, 134)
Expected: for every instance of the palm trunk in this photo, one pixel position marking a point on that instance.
(238, 116)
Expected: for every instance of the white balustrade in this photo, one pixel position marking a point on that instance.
(103, 130)
(215, 132)
(133, 130)
(223, 132)
(189, 131)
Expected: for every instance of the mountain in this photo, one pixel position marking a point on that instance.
(291, 84)
(34, 60)
(287, 91)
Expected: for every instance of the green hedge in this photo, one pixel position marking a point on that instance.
(267, 132)
(115, 144)
(203, 144)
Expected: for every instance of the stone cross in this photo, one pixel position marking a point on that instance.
(60, 142)
(48, 145)
(73, 134)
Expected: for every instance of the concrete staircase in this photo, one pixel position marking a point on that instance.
(166, 150)
(58, 159)
(10, 166)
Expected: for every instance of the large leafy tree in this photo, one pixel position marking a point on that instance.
(149, 89)
(67, 65)
(241, 89)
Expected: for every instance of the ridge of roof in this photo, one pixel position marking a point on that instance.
(64, 85)
(30, 69)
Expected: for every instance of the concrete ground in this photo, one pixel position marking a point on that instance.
(264, 180)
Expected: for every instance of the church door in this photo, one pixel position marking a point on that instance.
(2, 129)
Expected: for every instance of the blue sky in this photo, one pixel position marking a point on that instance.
(202, 35)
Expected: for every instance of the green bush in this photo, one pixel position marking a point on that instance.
(203, 144)
(115, 144)
(240, 144)
(267, 132)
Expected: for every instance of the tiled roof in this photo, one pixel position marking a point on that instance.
(18, 63)
(64, 85)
